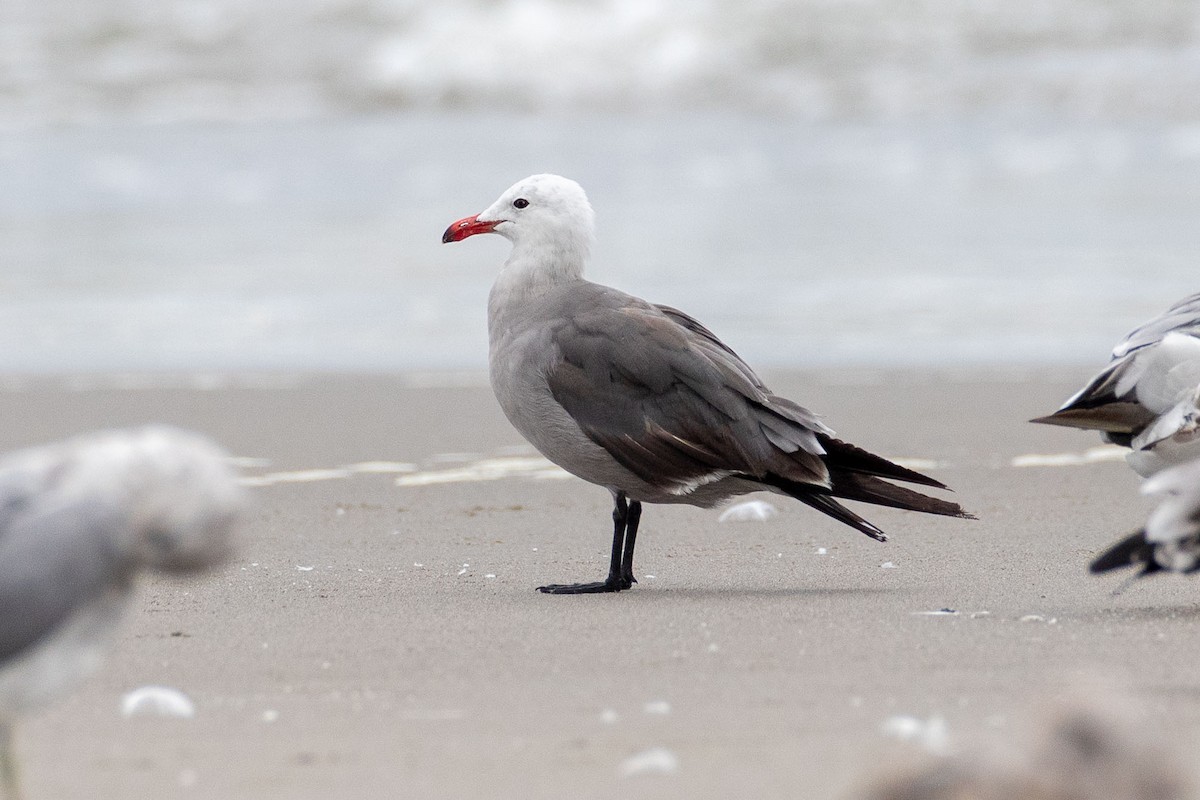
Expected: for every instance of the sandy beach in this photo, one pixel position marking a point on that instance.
(864, 196)
(375, 640)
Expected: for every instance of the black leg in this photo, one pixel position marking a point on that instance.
(620, 568)
(631, 527)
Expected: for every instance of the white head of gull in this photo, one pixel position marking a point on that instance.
(642, 399)
(551, 226)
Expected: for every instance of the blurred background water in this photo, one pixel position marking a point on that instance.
(253, 184)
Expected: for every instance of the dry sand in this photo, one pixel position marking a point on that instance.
(380, 641)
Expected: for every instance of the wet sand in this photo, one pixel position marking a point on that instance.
(375, 640)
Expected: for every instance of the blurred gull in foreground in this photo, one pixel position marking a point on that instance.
(78, 521)
(1171, 538)
(643, 399)
(1146, 398)
(1088, 751)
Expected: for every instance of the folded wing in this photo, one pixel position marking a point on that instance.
(678, 408)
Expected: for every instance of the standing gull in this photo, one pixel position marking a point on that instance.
(644, 400)
(1146, 398)
(78, 521)
(1171, 538)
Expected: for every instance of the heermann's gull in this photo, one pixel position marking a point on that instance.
(644, 400)
(78, 521)
(1171, 538)
(1146, 398)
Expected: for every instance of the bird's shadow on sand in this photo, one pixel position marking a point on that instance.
(766, 592)
(1159, 613)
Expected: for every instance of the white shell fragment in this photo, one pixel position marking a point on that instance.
(929, 734)
(160, 701)
(749, 511)
(657, 707)
(656, 761)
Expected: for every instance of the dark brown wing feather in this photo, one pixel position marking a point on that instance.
(851, 459)
(672, 405)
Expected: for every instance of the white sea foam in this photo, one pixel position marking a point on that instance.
(382, 467)
(474, 470)
(488, 469)
(1093, 455)
(223, 58)
(295, 476)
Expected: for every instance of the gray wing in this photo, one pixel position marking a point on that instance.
(1109, 401)
(708, 341)
(53, 558)
(674, 405)
(1183, 317)
(721, 353)
(677, 407)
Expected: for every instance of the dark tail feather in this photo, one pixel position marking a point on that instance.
(827, 505)
(845, 456)
(819, 498)
(864, 488)
(869, 489)
(1119, 420)
(1132, 551)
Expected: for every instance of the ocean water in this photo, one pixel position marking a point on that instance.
(225, 186)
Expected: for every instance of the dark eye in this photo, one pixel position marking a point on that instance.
(520, 202)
